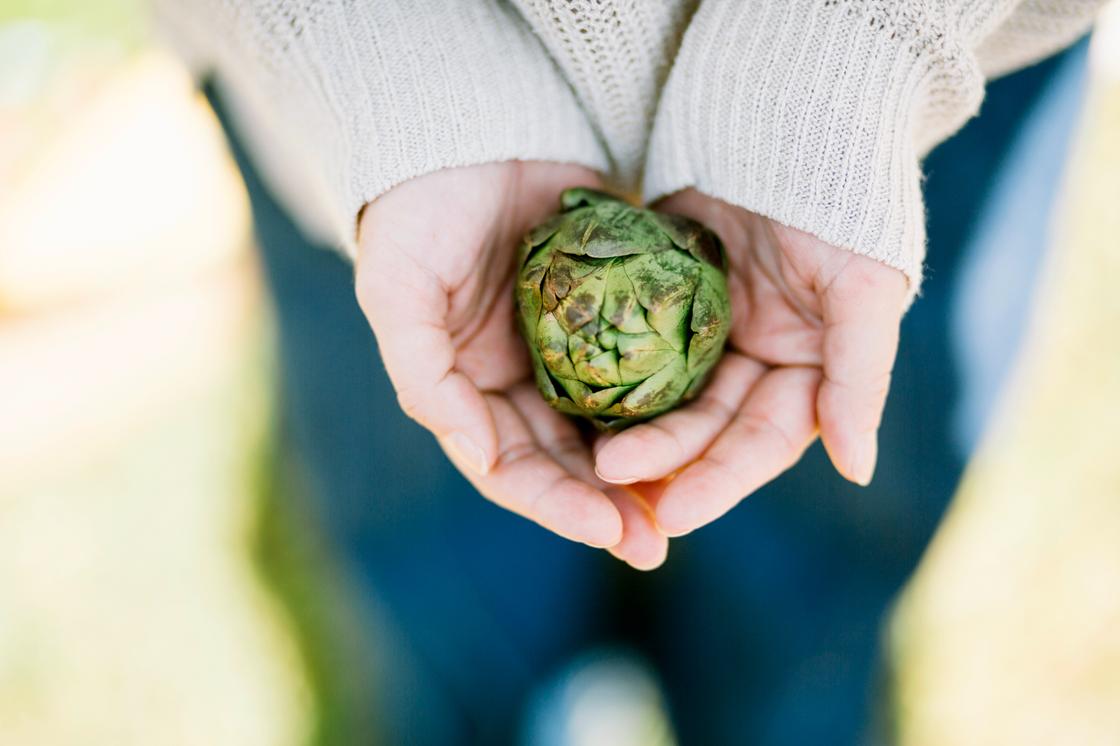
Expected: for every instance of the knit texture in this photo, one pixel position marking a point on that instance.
(815, 113)
(616, 54)
(341, 101)
(1036, 29)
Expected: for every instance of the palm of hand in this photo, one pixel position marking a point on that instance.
(813, 339)
(449, 240)
(435, 278)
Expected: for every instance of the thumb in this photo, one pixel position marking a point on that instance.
(407, 308)
(862, 308)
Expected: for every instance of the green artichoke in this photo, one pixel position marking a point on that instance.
(625, 310)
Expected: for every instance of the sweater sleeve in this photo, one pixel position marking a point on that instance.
(1035, 30)
(816, 113)
(340, 101)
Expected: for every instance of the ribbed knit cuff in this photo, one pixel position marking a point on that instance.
(343, 101)
(1036, 29)
(814, 113)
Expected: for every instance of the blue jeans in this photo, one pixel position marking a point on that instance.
(763, 626)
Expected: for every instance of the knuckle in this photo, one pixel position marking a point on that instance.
(518, 453)
(728, 473)
(870, 386)
(880, 386)
(410, 402)
(713, 408)
(757, 424)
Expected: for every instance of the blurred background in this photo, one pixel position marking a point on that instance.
(155, 589)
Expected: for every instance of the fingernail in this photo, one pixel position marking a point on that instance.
(678, 525)
(467, 451)
(588, 517)
(864, 467)
(674, 533)
(615, 480)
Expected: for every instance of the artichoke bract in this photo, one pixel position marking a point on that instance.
(625, 310)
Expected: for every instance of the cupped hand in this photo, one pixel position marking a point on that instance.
(434, 276)
(813, 341)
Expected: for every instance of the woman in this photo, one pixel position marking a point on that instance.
(425, 137)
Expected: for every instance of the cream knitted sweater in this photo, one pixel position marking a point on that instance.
(813, 112)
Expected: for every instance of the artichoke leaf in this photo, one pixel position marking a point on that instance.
(580, 350)
(618, 230)
(620, 302)
(528, 295)
(590, 400)
(642, 355)
(583, 302)
(634, 370)
(608, 337)
(710, 312)
(600, 370)
(538, 237)
(545, 382)
(602, 399)
(633, 344)
(687, 234)
(662, 280)
(658, 393)
(552, 343)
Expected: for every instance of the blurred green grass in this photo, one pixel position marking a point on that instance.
(86, 20)
(295, 560)
(57, 61)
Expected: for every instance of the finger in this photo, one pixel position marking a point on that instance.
(768, 435)
(862, 308)
(528, 481)
(650, 492)
(555, 433)
(407, 309)
(655, 449)
(642, 547)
